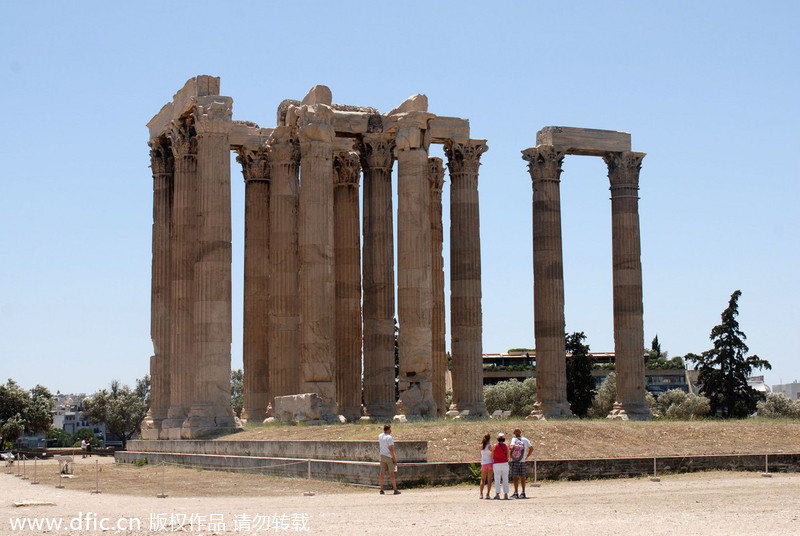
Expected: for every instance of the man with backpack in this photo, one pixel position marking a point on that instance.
(521, 450)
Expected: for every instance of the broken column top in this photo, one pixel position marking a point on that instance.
(584, 141)
(184, 99)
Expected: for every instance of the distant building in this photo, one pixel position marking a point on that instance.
(68, 416)
(522, 365)
(757, 383)
(790, 390)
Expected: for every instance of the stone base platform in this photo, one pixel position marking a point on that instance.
(250, 457)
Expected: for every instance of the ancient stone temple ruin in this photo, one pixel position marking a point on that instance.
(319, 298)
(306, 272)
(552, 145)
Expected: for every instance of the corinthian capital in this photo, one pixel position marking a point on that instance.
(544, 162)
(435, 173)
(212, 115)
(464, 156)
(161, 160)
(254, 161)
(183, 137)
(376, 151)
(347, 169)
(623, 169)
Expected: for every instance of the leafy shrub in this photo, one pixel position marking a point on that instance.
(512, 395)
(604, 400)
(678, 405)
(778, 405)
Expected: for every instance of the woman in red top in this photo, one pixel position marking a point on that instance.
(500, 466)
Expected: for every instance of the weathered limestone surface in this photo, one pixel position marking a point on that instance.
(162, 164)
(182, 363)
(377, 155)
(317, 292)
(438, 325)
(623, 173)
(463, 160)
(299, 408)
(284, 261)
(584, 141)
(414, 268)
(347, 251)
(211, 410)
(548, 283)
(255, 343)
(182, 103)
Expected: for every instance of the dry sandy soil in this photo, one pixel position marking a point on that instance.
(704, 503)
(715, 503)
(459, 441)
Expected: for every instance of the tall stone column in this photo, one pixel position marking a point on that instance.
(548, 283)
(438, 325)
(347, 253)
(376, 152)
(414, 300)
(284, 327)
(162, 164)
(463, 160)
(182, 364)
(255, 343)
(317, 292)
(211, 410)
(623, 173)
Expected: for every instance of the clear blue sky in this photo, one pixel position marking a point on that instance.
(709, 90)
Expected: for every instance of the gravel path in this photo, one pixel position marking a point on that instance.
(723, 503)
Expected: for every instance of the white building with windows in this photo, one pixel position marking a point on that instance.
(790, 390)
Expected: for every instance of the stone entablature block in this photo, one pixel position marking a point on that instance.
(584, 141)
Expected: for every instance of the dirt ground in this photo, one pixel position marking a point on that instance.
(459, 441)
(711, 503)
(715, 503)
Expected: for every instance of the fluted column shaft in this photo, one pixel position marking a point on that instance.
(623, 173)
(255, 341)
(438, 326)
(414, 300)
(162, 164)
(347, 254)
(463, 160)
(548, 283)
(376, 152)
(182, 363)
(317, 292)
(211, 411)
(284, 334)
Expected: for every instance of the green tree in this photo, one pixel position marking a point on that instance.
(120, 409)
(59, 438)
(23, 411)
(724, 369)
(580, 382)
(81, 434)
(512, 395)
(655, 348)
(237, 391)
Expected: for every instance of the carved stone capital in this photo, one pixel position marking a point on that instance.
(212, 115)
(161, 160)
(464, 156)
(623, 171)
(183, 137)
(377, 151)
(347, 168)
(254, 161)
(544, 162)
(435, 174)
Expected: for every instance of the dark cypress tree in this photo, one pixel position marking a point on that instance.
(724, 369)
(580, 382)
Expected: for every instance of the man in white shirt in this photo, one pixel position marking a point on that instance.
(388, 459)
(518, 467)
